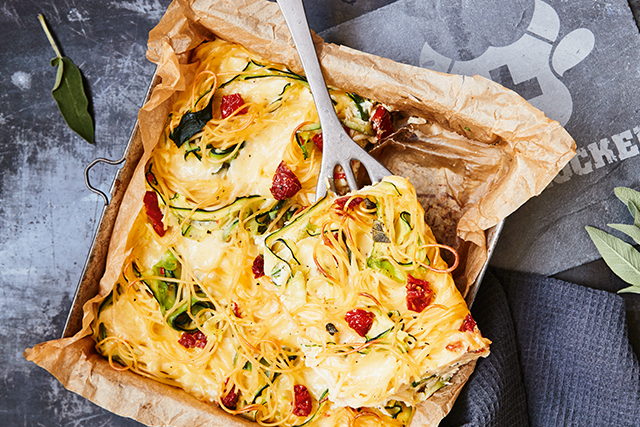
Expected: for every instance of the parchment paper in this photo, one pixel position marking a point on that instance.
(488, 154)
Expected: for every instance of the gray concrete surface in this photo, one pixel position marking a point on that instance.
(47, 216)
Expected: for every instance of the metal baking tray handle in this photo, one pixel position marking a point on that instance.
(87, 182)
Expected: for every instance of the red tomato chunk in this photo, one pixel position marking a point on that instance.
(195, 339)
(419, 294)
(153, 212)
(285, 183)
(231, 399)
(468, 324)
(339, 175)
(258, 267)
(381, 122)
(342, 201)
(360, 320)
(317, 140)
(302, 403)
(236, 310)
(231, 103)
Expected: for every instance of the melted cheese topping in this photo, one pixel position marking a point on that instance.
(189, 311)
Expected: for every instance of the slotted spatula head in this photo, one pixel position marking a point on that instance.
(337, 147)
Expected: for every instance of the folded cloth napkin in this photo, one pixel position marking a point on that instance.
(560, 357)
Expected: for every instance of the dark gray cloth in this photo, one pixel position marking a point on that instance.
(560, 357)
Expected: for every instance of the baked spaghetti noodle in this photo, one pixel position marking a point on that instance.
(244, 292)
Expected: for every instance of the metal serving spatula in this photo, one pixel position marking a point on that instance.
(337, 147)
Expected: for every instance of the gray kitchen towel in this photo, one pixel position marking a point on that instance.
(560, 357)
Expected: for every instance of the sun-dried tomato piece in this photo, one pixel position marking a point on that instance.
(455, 347)
(419, 294)
(355, 201)
(285, 183)
(153, 212)
(317, 140)
(231, 399)
(258, 266)
(192, 340)
(231, 103)
(381, 122)
(151, 178)
(468, 324)
(360, 320)
(236, 309)
(302, 402)
(339, 175)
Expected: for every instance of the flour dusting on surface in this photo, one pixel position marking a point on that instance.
(22, 80)
(151, 8)
(74, 15)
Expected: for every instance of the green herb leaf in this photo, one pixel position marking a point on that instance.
(635, 212)
(625, 194)
(630, 289)
(191, 123)
(621, 257)
(71, 99)
(631, 198)
(628, 229)
(68, 92)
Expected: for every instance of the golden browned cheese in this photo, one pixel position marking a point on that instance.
(284, 311)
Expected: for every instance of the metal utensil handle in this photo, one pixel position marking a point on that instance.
(87, 182)
(338, 147)
(293, 11)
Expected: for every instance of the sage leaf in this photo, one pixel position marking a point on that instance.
(621, 257)
(630, 289)
(625, 194)
(68, 92)
(379, 236)
(628, 229)
(631, 198)
(635, 213)
(71, 99)
(191, 123)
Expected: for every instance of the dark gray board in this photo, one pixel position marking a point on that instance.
(576, 60)
(47, 216)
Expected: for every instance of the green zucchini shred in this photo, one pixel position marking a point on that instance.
(378, 261)
(182, 320)
(194, 149)
(381, 335)
(165, 292)
(253, 67)
(153, 182)
(203, 222)
(359, 102)
(219, 154)
(280, 97)
(399, 410)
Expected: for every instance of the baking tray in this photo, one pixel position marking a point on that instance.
(95, 263)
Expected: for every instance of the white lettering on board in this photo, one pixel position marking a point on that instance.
(600, 152)
(580, 167)
(624, 144)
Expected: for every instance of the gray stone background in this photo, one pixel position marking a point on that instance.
(48, 217)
